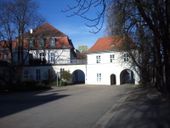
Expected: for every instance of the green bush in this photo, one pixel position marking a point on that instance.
(66, 75)
(65, 78)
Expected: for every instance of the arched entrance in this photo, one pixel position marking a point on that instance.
(78, 77)
(127, 77)
(112, 79)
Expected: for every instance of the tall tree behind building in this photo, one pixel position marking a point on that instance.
(83, 48)
(17, 17)
(146, 22)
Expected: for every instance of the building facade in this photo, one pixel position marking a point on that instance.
(108, 64)
(45, 45)
(47, 52)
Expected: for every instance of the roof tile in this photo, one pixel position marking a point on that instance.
(108, 44)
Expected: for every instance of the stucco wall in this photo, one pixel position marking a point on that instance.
(61, 55)
(91, 69)
(106, 68)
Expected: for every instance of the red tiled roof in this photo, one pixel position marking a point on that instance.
(46, 31)
(63, 42)
(109, 44)
(5, 44)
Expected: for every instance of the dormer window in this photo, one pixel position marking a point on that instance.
(52, 42)
(42, 43)
(31, 43)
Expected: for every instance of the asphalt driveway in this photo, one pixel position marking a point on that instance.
(64, 107)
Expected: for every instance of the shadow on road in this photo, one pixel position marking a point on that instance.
(16, 102)
(142, 109)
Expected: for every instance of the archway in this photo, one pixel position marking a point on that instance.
(78, 77)
(112, 79)
(127, 77)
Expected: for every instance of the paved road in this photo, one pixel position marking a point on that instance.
(65, 107)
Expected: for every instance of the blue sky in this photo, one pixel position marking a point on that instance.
(74, 27)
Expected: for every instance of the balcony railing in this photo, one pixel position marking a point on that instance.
(72, 62)
(58, 62)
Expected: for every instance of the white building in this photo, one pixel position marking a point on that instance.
(107, 64)
(45, 45)
(51, 51)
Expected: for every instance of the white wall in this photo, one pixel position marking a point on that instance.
(31, 70)
(61, 55)
(106, 68)
(44, 71)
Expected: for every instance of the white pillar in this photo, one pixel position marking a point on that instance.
(137, 79)
(117, 78)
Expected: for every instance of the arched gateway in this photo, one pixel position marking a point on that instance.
(78, 77)
(127, 77)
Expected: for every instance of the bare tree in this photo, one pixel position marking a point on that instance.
(24, 16)
(83, 9)
(16, 17)
(147, 23)
(7, 28)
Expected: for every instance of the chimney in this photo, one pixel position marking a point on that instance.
(31, 31)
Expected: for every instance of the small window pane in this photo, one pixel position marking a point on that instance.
(126, 57)
(31, 43)
(38, 74)
(52, 58)
(98, 59)
(98, 77)
(52, 42)
(42, 42)
(26, 73)
(112, 57)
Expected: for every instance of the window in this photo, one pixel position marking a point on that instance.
(31, 43)
(38, 74)
(52, 42)
(126, 57)
(42, 42)
(26, 73)
(42, 56)
(5, 56)
(53, 58)
(98, 77)
(112, 57)
(98, 59)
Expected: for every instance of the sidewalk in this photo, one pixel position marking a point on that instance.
(141, 108)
